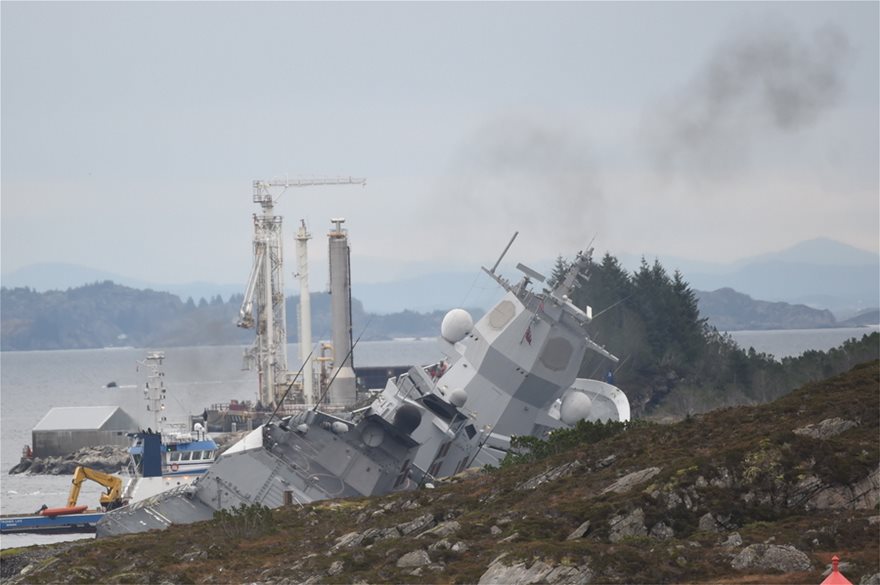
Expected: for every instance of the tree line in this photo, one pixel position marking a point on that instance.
(673, 362)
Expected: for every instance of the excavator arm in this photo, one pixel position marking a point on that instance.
(112, 498)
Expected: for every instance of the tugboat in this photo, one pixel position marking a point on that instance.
(512, 373)
(170, 456)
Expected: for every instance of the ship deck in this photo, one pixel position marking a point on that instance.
(67, 523)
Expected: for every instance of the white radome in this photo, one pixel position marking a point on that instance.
(457, 397)
(456, 324)
(575, 406)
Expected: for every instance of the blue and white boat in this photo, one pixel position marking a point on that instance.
(170, 456)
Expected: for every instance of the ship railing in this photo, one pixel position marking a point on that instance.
(291, 409)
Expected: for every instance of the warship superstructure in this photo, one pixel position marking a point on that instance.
(514, 372)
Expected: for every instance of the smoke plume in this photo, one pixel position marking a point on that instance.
(760, 83)
(529, 174)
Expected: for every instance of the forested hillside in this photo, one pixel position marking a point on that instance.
(729, 310)
(109, 315)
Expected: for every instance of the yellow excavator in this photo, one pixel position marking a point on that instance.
(109, 500)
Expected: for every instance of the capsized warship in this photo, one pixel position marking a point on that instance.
(513, 373)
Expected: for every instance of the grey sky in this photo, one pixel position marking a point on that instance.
(131, 132)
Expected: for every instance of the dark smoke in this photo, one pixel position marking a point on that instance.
(531, 175)
(760, 83)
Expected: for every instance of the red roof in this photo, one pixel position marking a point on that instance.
(836, 577)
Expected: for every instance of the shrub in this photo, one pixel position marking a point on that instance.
(245, 521)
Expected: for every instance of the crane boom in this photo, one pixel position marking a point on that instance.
(263, 193)
(112, 498)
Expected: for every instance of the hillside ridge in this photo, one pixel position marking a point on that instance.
(752, 494)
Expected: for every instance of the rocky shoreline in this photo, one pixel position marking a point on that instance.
(105, 458)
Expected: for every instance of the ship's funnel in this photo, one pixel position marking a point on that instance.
(343, 389)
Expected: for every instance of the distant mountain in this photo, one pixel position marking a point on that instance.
(728, 310)
(61, 276)
(817, 251)
(869, 317)
(820, 273)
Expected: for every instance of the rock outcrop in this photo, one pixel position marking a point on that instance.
(771, 557)
(106, 458)
(629, 481)
(627, 525)
(518, 573)
(826, 428)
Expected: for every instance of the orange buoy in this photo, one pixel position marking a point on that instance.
(52, 512)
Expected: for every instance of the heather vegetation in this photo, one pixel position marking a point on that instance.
(528, 448)
(672, 361)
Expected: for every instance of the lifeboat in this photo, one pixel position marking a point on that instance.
(52, 512)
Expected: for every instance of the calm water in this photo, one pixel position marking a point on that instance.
(793, 342)
(33, 382)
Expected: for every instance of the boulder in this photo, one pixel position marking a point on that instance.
(826, 428)
(420, 523)
(443, 529)
(335, 568)
(580, 531)
(563, 470)
(627, 525)
(733, 540)
(416, 558)
(813, 494)
(441, 544)
(347, 540)
(661, 531)
(629, 481)
(772, 557)
(539, 572)
(712, 523)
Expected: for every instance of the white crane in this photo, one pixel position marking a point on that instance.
(263, 307)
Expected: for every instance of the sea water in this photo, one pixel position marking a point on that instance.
(793, 342)
(196, 377)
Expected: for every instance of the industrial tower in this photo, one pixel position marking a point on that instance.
(305, 314)
(343, 391)
(263, 307)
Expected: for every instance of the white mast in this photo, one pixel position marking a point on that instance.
(155, 391)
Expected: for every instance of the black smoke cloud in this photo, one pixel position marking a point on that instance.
(527, 173)
(767, 82)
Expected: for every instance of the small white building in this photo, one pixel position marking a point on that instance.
(66, 429)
